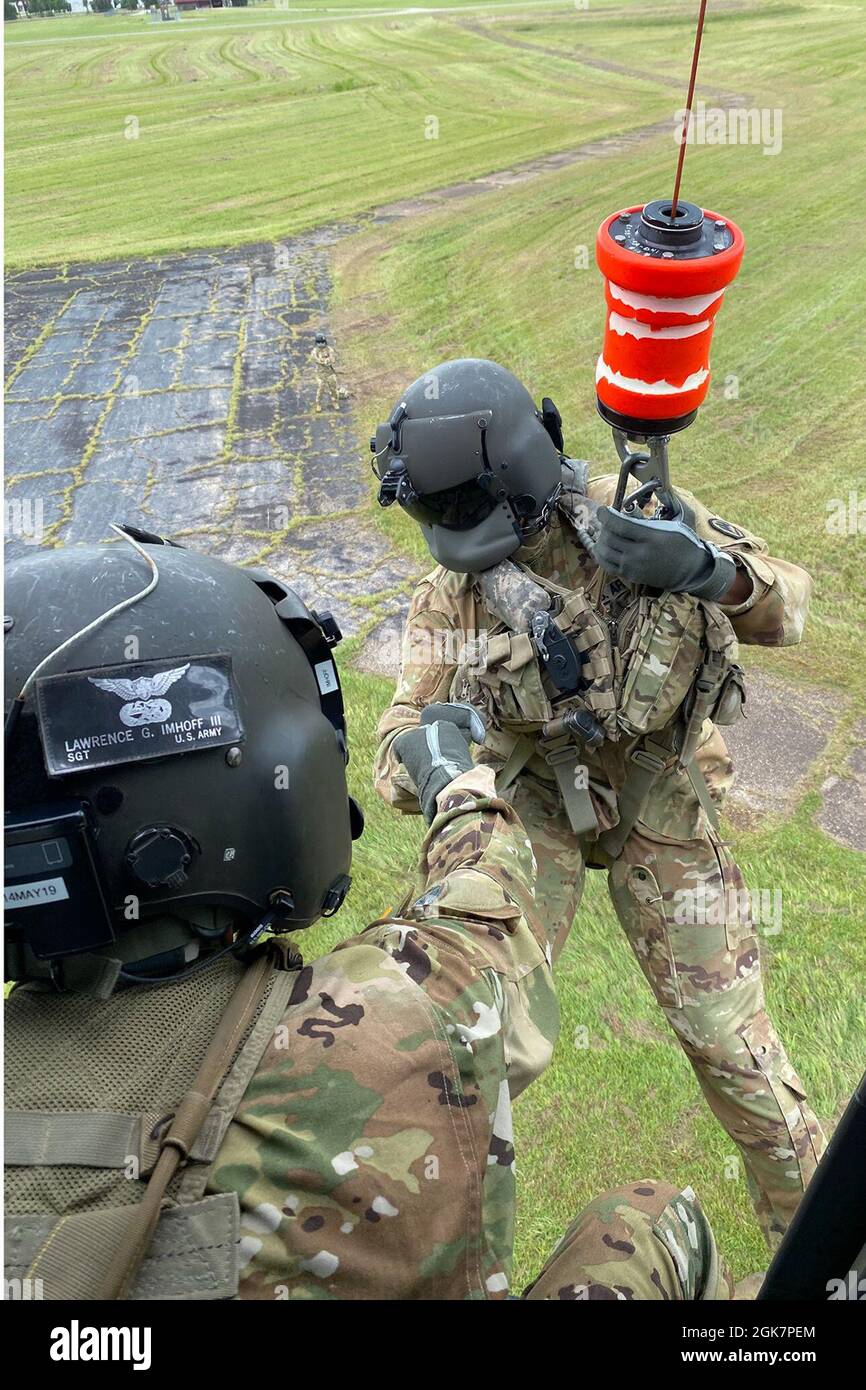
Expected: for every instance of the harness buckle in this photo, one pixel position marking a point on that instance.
(651, 761)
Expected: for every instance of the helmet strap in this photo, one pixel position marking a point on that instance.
(532, 526)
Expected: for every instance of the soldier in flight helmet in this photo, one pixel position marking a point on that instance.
(177, 760)
(598, 642)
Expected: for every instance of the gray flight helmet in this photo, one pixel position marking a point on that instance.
(471, 458)
(189, 752)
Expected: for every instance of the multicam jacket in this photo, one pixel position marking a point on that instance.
(324, 358)
(372, 1153)
(446, 617)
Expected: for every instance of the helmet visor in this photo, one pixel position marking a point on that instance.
(439, 452)
(456, 508)
(445, 463)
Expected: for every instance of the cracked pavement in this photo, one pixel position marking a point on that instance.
(176, 394)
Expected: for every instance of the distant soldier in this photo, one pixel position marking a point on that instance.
(602, 699)
(325, 362)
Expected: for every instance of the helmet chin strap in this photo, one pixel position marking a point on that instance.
(533, 526)
(532, 547)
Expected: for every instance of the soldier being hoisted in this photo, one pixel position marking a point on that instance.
(599, 646)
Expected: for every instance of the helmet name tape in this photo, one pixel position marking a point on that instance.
(147, 709)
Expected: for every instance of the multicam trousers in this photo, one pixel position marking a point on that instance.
(684, 910)
(647, 1240)
(326, 381)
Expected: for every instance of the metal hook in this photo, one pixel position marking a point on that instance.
(650, 469)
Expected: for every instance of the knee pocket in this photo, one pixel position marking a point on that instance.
(690, 936)
(639, 900)
(783, 1082)
(644, 1240)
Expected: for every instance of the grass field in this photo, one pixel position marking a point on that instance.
(790, 333)
(126, 137)
(257, 124)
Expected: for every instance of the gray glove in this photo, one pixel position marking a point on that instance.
(662, 554)
(438, 750)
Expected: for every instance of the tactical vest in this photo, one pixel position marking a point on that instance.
(322, 359)
(653, 669)
(116, 1110)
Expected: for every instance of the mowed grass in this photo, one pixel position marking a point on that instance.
(218, 130)
(502, 276)
(256, 125)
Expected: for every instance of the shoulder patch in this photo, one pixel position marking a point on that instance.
(726, 528)
(429, 897)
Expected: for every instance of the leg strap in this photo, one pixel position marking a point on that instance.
(514, 763)
(647, 763)
(563, 756)
(702, 792)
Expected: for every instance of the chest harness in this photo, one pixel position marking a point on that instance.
(605, 668)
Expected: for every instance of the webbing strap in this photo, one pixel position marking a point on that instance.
(87, 1138)
(96, 1254)
(702, 792)
(515, 762)
(194, 1254)
(648, 761)
(563, 756)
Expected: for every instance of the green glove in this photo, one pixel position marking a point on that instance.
(438, 750)
(662, 554)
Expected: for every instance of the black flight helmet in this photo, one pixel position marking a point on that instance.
(471, 458)
(189, 751)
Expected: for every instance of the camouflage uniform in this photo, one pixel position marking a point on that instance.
(645, 1241)
(322, 357)
(705, 973)
(372, 1154)
(369, 1148)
